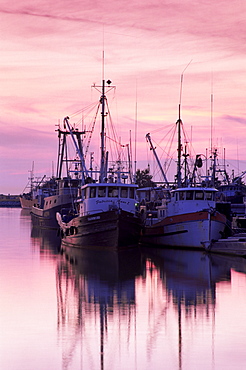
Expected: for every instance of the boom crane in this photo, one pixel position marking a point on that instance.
(148, 138)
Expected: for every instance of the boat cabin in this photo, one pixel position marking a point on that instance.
(96, 198)
(187, 200)
(195, 194)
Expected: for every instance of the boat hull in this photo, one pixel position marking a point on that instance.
(110, 230)
(27, 203)
(192, 230)
(46, 218)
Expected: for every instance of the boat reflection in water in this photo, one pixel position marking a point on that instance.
(46, 239)
(191, 279)
(96, 300)
(144, 306)
(189, 276)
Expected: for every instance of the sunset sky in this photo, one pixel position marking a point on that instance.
(51, 54)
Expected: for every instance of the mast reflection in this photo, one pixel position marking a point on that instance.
(93, 288)
(189, 278)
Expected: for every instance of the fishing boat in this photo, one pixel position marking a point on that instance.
(59, 191)
(29, 196)
(55, 195)
(191, 218)
(106, 209)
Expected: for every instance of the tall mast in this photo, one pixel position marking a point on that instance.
(179, 122)
(211, 123)
(102, 101)
(136, 121)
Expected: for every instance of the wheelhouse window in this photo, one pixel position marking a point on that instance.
(209, 195)
(189, 195)
(92, 192)
(131, 193)
(199, 195)
(101, 191)
(113, 192)
(124, 192)
(181, 195)
(86, 192)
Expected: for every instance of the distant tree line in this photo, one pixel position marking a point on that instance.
(144, 179)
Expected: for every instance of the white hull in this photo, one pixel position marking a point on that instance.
(194, 230)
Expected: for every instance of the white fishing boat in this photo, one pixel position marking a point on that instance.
(107, 213)
(191, 218)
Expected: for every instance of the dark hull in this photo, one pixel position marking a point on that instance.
(109, 229)
(46, 219)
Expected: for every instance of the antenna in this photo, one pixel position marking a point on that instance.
(181, 82)
(103, 62)
(179, 122)
(136, 121)
(103, 59)
(212, 107)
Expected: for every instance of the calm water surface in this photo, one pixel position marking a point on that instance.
(144, 309)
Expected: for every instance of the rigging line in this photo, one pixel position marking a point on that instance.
(89, 106)
(161, 128)
(168, 164)
(113, 130)
(114, 134)
(170, 147)
(163, 151)
(188, 141)
(173, 128)
(92, 129)
(171, 141)
(115, 141)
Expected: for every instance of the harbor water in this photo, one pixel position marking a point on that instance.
(140, 309)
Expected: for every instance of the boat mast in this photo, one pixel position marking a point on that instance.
(104, 154)
(179, 122)
(102, 167)
(32, 178)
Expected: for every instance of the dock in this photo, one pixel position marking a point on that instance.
(9, 200)
(233, 245)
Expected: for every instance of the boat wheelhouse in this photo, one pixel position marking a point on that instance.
(103, 197)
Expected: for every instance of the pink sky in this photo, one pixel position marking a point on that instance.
(51, 54)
